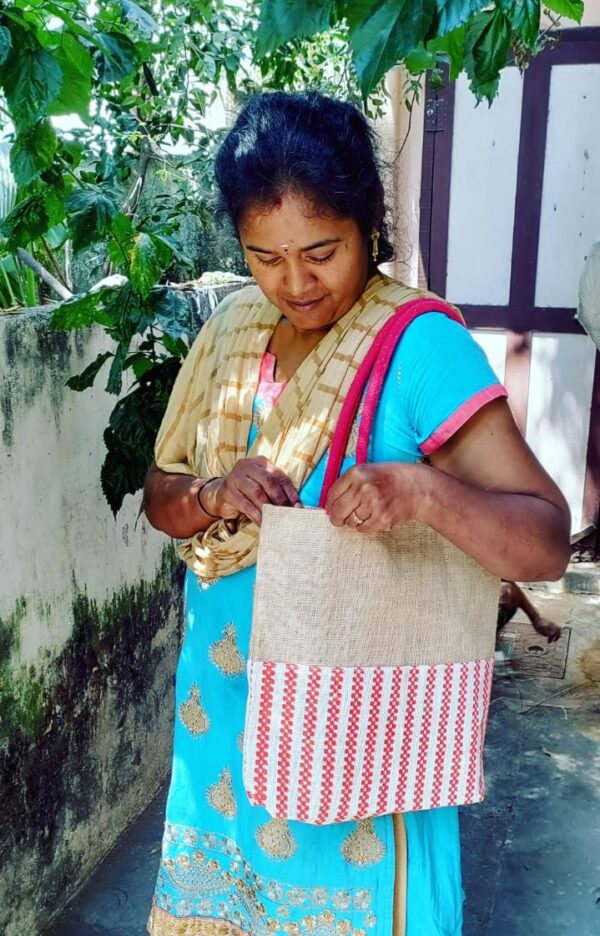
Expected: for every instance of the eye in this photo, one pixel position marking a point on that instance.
(322, 259)
(271, 262)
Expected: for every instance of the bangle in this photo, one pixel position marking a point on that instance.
(199, 499)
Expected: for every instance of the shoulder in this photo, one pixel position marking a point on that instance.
(439, 377)
(435, 331)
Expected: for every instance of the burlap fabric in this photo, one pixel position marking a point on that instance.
(330, 596)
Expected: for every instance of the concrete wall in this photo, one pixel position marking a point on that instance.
(89, 631)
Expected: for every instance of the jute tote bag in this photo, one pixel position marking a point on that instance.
(371, 656)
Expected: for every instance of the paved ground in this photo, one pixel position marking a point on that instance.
(531, 851)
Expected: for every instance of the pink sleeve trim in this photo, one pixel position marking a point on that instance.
(460, 417)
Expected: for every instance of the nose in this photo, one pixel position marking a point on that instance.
(298, 280)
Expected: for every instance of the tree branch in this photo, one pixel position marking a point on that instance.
(43, 274)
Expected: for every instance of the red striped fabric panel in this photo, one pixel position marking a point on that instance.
(329, 744)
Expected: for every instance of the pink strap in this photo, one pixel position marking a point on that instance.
(373, 371)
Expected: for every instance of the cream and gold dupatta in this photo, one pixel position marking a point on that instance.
(207, 422)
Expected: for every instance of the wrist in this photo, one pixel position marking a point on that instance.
(422, 493)
(205, 496)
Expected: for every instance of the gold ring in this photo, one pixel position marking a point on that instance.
(358, 520)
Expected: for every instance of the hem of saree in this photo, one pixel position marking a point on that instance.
(161, 923)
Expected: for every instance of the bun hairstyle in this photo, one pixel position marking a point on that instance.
(308, 143)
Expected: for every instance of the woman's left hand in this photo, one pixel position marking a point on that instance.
(375, 497)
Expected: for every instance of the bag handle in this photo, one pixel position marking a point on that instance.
(372, 373)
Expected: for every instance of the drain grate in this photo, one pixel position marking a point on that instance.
(528, 654)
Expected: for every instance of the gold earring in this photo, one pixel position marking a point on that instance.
(375, 242)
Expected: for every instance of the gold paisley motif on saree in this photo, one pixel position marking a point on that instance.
(226, 655)
(276, 839)
(192, 714)
(221, 796)
(363, 847)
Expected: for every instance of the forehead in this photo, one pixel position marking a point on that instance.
(293, 218)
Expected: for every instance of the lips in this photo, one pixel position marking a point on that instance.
(305, 305)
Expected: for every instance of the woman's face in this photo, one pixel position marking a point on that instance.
(312, 266)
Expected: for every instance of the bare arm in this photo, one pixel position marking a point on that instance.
(171, 503)
(484, 490)
(495, 501)
(183, 505)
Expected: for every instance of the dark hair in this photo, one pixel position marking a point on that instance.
(317, 146)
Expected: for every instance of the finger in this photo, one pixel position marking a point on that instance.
(371, 525)
(338, 489)
(341, 509)
(251, 488)
(280, 477)
(245, 506)
(271, 484)
(288, 488)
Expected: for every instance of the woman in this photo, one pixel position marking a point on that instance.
(249, 423)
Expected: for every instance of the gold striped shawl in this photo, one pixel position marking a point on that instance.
(205, 428)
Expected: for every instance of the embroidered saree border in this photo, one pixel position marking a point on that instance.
(162, 923)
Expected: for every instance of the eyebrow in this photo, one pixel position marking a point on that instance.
(323, 243)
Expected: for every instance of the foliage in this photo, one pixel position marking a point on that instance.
(141, 79)
(465, 34)
(138, 81)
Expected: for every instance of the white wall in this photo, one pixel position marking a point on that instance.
(88, 613)
(482, 193)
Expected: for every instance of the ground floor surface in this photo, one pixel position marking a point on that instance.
(531, 851)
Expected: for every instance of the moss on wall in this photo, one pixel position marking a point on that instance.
(10, 631)
(75, 729)
(21, 691)
(36, 360)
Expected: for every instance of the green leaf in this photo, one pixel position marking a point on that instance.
(132, 429)
(33, 151)
(524, 18)
(115, 375)
(80, 312)
(119, 56)
(86, 378)
(148, 258)
(284, 20)
(451, 48)
(27, 221)
(419, 60)
(526, 21)
(32, 81)
(119, 248)
(486, 90)
(139, 363)
(486, 48)
(75, 22)
(5, 44)
(172, 312)
(90, 214)
(382, 32)
(174, 245)
(77, 67)
(452, 13)
(573, 9)
(139, 18)
(175, 346)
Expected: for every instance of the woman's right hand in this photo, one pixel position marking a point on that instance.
(252, 483)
